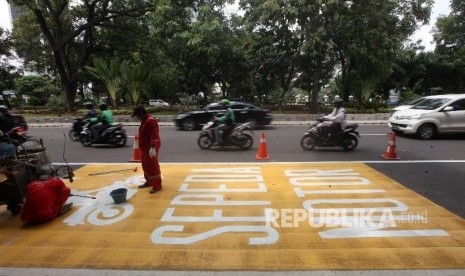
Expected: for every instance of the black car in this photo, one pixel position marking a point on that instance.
(243, 112)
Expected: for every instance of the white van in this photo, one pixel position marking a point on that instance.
(431, 116)
(158, 102)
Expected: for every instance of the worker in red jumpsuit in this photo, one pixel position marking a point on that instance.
(149, 145)
(45, 198)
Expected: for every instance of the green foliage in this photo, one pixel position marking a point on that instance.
(135, 78)
(109, 74)
(40, 87)
(357, 47)
(56, 103)
(450, 47)
(8, 72)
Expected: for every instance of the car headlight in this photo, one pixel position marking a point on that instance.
(181, 116)
(409, 117)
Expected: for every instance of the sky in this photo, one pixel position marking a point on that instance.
(441, 7)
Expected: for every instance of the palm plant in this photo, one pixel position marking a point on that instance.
(109, 74)
(135, 78)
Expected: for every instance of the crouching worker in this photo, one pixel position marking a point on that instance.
(45, 198)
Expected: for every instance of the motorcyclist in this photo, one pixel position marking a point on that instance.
(7, 149)
(90, 112)
(6, 120)
(225, 122)
(337, 120)
(104, 121)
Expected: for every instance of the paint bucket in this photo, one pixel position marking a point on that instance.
(119, 195)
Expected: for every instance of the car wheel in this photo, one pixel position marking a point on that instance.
(204, 141)
(308, 142)
(426, 132)
(189, 124)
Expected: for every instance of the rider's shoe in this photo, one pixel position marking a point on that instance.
(65, 208)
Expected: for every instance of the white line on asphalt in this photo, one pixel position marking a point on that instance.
(282, 163)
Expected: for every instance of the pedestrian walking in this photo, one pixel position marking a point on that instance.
(149, 145)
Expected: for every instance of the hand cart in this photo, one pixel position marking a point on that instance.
(18, 172)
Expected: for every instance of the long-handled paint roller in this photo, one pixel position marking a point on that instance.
(134, 170)
(93, 197)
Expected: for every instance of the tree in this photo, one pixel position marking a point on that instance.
(369, 36)
(70, 31)
(8, 72)
(135, 78)
(109, 74)
(196, 41)
(450, 46)
(39, 87)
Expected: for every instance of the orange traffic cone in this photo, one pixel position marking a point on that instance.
(262, 152)
(136, 154)
(391, 149)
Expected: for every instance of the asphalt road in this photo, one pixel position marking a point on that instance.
(434, 169)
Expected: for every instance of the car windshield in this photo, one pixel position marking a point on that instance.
(430, 104)
(415, 101)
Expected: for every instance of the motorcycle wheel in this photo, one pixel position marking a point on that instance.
(120, 140)
(85, 141)
(246, 141)
(73, 135)
(308, 142)
(349, 142)
(204, 141)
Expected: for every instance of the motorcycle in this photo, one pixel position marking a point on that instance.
(232, 137)
(17, 135)
(76, 128)
(114, 135)
(347, 139)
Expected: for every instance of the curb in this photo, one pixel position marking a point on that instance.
(168, 120)
(290, 123)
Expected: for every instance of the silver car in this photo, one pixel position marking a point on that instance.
(431, 116)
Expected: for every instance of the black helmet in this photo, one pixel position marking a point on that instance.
(89, 105)
(102, 106)
(139, 111)
(338, 103)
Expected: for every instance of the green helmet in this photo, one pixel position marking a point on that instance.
(224, 102)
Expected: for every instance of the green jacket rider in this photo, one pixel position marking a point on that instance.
(104, 121)
(226, 121)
